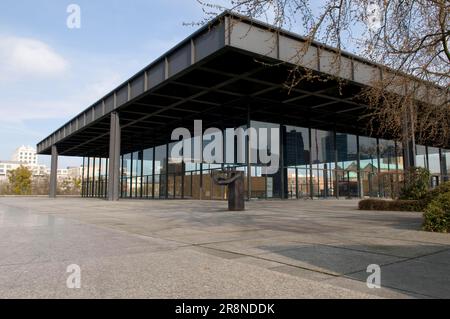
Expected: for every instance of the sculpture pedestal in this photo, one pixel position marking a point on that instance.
(234, 180)
(236, 200)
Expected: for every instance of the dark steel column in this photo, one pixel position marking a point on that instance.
(311, 182)
(141, 155)
(248, 157)
(153, 172)
(379, 193)
(82, 179)
(358, 163)
(114, 158)
(93, 178)
(99, 181)
(88, 178)
(283, 170)
(105, 190)
(336, 173)
(166, 191)
(130, 177)
(54, 172)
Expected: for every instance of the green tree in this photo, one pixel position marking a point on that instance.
(40, 185)
(20, 181)
(417, 184)
(70, 186)
(4, 188)
(77, 185)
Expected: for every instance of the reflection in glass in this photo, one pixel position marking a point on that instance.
(445, 164)
(297, 158)
(265, 185)
(399, 156)
(296, 146)
(421, 156)
(388, 169)
(160, 171)
(126, 175)
(136, 175)
(347, 164)
(368, 153)
(434, 162)
(175, 172)
(147, 173)
(323, 163)
(316, 163)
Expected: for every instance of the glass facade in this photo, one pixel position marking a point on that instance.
(421, 156)
(297, 161)
(347, 172)
(313, 164)
(95, 177)
(323, 163)
(147, 173)
(434, 164)
(368, 166)
(445, 164)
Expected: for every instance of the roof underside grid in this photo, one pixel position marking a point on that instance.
(222, 91)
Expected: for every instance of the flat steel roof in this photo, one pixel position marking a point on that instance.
(190, 80)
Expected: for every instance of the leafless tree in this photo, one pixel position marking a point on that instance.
(41, 185)
(4, 188)
(409, 38)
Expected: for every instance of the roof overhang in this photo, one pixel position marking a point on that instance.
(229, 68)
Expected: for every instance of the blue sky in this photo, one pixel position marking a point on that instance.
(48, 72)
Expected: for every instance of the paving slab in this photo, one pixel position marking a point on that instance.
(180, 274)
(197, 249)
(414, 277)
(327, 259)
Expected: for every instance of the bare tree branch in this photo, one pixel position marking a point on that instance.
(409, 37)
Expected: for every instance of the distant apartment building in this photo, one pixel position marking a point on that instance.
(75, 172)
(25, 155)
(67, 173)
(6, 166)
(36, 169)
(62, 174)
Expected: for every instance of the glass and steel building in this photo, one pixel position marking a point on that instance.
(231, 74)
(316, 164)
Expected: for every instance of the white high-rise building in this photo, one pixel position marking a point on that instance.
(26, 155)
(23, 156)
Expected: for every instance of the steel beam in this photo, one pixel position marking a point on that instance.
(114, 158)
(54, 172)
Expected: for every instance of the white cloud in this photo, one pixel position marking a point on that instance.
(27, 57)
(105, 83)
(90, 78)
(17, 109)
